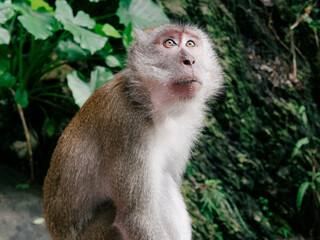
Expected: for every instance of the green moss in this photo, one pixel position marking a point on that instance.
(251, 131)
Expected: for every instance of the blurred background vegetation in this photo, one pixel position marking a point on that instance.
(255, 172)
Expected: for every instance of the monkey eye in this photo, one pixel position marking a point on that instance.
(169, 43)
(190, 43)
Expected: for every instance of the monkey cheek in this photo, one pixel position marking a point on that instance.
(186, 90)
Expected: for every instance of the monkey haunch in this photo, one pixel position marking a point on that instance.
(116, 171)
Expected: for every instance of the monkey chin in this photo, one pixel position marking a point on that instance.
(186, 89)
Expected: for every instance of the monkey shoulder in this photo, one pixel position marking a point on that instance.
(107, 120)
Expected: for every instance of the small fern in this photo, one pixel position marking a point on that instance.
(215, 201)
(301, 193)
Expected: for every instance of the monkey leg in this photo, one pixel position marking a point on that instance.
(100, 227)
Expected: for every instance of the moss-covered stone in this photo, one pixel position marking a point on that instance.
(251, 130)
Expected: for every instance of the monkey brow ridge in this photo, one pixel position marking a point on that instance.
(150, 29)
(178, 26)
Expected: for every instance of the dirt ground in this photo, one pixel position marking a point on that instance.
(19, 209)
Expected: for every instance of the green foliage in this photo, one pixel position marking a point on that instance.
(141, 13)
(81, 90)
(112, 61)
(71, 51)
(216, 201)
(260, 137)
(38, 29)
(40, 25)
(21, 97)
(4, 36)
(299, 144)
(43, 29)
(7, 80)
(310, 14)
(23, 186)
(110, 31)
(127, 36)
(49, 125)
(39, 41)
(313, 185)
(286, 232)
(301, 193)
(38, 4)
(79, 26)
(264, 205)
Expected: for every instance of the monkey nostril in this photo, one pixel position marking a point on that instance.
(188, 62)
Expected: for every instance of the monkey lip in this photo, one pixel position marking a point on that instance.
(186, 88)
(188, 81)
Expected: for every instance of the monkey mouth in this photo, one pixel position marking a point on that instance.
(183, 82)
(186, 88)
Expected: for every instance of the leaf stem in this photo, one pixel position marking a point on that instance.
(12, 24)
(27, 135)
(40, 89)
(104, 16)
(53, 104)
(20, 56)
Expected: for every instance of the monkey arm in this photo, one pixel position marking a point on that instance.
(135, 195)
(126, 171)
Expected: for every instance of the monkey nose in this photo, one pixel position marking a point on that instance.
(189, 62)
(186, 58)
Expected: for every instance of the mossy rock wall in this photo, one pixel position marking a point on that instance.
(253, 128)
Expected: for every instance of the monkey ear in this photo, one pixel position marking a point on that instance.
(140, 35)
(137, 32)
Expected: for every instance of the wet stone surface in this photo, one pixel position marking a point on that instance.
(19, 209)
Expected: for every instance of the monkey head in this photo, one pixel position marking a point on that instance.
(176, 63)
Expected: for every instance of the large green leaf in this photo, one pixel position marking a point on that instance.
(80, 90)
(127, 36)
(7, 80)
(71, 51)
(109, 30)
(87, 39)
(301, 192)
(63, 11)
(6, 11)
(40, 25)
(5, 62)
(4, 36)
(49, 125)
(83, 19)
(113, 61)
(142, 13)
(36, 4)
(301, 142)
(21, 97)
(100, 76)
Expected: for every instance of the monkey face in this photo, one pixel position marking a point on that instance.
(179, 53)
(176, 63)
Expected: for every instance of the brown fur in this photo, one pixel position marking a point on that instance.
(86, 145)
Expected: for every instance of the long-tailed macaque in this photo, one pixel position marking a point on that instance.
(117, 168)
